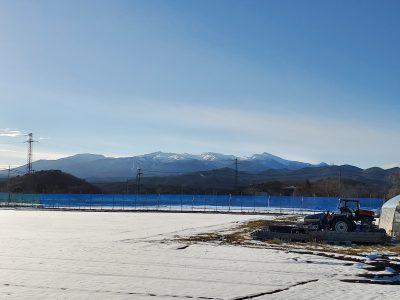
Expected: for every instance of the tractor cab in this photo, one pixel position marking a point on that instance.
(349, 206)
(352, 207)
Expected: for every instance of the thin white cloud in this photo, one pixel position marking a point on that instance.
(10, 133)
(390, 166)
(6, 150)
(18, 158)
(295, 136)
(50, 155)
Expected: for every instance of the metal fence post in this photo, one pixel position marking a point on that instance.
(215, 202)
(135, 200)
(293, 205)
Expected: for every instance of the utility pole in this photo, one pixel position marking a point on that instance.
(8, 183)
(138, 177)
(340, 181)
(30, 154)
(236, 173)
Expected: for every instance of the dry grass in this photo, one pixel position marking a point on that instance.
(240, 235)
(362, 250)
(203, 237)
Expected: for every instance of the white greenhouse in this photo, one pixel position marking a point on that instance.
(390, 217)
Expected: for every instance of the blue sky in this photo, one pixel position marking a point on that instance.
(305, 80)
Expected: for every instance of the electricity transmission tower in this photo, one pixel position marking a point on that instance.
(30, 142)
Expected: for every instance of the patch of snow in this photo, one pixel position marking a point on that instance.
(361, 265)
(390, 270)
(387, 278)
(373, 256)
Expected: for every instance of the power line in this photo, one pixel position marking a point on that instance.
(17, 171)
(13, 171)
(11, 143)
(168, 172)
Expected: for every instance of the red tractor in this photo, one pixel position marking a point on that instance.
(349, 218)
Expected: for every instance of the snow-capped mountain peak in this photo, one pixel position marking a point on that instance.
(265, 156)
(212, 156)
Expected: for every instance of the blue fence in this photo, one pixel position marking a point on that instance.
(245, 203)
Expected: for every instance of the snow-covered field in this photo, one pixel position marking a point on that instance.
(100, 255)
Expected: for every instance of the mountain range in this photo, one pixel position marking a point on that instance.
(214, 172)
(99, 167)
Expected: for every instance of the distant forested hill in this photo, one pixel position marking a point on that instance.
(324, 181)
(52, 181)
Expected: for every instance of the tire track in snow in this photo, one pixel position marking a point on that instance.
(196, 280)
(274, 291)
(258, 262)
(109, 292)
(174, 265)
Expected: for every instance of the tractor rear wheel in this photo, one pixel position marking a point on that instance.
(342, 225)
